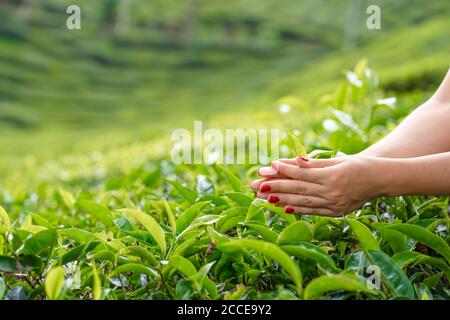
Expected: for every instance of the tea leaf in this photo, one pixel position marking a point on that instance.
(186, 218)
(321, 285)
(97, 210)
(5, 225)
(79, 235)
(271, 251)
(150, 224)
(136, 268)
(394, 278)
(307, 250)
(300, 230)
(97, 285)
(188, 194)
(424, 236)
(297, 146)
(363, 234)
(39, 241)
(54, 283)
(265, 232)
(170, 217)
(234, 181)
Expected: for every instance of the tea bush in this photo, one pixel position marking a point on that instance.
(125, 225)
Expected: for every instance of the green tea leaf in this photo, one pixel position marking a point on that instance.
(234, 181)
(2, 288)
(307, 250)
(5, 225)
(8, 264)
(289, 218)
(394, 278)
(321, 285)
(97, 210)
(424, 236)
(144, 254)
(396, 240)
(170, 217)
(347, 120)
(363, 234)
(188, 194)
(300, 230)
(297, 146)
(79, 235)
(199, 222)
(255, 213)
(97, 285)
(78, 252)
(104, 255)
(404, 258)
(240, 198)
(39, 242)
(136, 268)
(67, 198)
(269, 250)
(39, 220)
(186, 218)
(181, 264)
(150, 224)
(20, 264)
(432, 261)
(54, 283)
(264, 231)
(230, 223)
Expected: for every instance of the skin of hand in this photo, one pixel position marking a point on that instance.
(339, 185)
(417, 135)
(411, 160)
(331, 187)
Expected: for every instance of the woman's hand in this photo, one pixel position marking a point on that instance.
(330, 187)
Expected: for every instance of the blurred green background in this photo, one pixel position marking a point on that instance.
(139, 69)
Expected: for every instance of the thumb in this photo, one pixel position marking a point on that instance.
(305, 162)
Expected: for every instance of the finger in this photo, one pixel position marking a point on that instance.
(262, 195)
(296, 200)
(291, 186)
(305, 162)
(269, 172)
(294, 172)
(310, 211)
(255, 185)
(288, 161)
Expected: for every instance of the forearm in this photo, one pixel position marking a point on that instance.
(427, 175)
(425, 131)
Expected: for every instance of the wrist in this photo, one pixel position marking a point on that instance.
(391, 176)
(383, 175)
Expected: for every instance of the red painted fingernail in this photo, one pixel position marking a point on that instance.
(289, 210)
(273, 199)
(303, 158)
(265, 188)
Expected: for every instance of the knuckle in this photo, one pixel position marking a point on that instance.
(336, 214)
(334, 176)
(299, 173)
(333, 197)
(338, 211)
(307, 202)
(300, 188)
